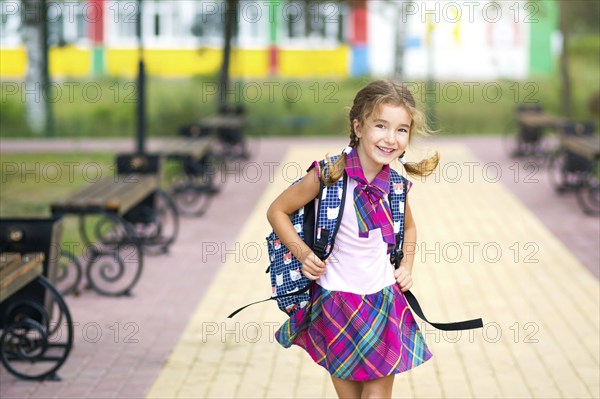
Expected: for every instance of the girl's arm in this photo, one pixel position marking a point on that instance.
(292, 199)
(404, 273)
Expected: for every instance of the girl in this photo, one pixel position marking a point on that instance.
(360, 327)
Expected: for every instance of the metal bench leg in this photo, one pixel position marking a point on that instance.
(69, 272)
(115, 259)
(588, 194)
(36, 339)
(193, 194)
(160, 226)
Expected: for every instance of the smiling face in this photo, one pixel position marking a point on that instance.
(383, 136)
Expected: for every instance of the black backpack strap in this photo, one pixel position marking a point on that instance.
(454, 326)
(306, 288)
(320, 245)
(396, 256)
(397, 253)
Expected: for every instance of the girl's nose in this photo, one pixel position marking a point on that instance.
(390, 136)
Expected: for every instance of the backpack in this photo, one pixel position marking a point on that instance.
(290, 288)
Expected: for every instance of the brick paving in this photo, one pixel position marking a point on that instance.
(539, 297)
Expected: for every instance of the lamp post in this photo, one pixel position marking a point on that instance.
(230, 22)
(141, 87)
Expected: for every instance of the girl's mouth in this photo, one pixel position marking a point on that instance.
(386, 150)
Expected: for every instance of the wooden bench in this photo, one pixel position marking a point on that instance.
(120, 210)
(116, 195)
(532, 124)
(587, 147)
(192, 191)
(37, 329)
(534, 120)
(196, 148)
(229, 130)
(213, 124)
(16, 271)
(575, 166)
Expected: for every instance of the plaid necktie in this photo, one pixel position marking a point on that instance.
(372, 210)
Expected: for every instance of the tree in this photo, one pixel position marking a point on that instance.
(34, 33)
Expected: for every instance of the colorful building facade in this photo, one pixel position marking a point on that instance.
(297, 39)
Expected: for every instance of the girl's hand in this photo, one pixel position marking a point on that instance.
(403, 278)
(312, 266)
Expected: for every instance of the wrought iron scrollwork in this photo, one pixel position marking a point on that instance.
(36, 338)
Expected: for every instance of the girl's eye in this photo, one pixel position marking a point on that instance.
(380, 126)
(402, 130)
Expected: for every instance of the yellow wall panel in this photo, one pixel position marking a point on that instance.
(73, 61)
(182, 62)
(250, 63)
(121, 62)
(306, 63)
(13, 63)
(186, 62)
(69, 61)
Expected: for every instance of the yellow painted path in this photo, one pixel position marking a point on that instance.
(480, 253)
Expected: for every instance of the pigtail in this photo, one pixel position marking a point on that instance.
(334, 171)
(423, 168)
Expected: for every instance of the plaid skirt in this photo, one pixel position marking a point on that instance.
(357, 337)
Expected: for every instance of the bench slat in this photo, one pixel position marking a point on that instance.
(30, 266)
(219, 121)
(83, 194)
(8, 259)
(132, 193)
(588, 147)
(109, 195)
(196, 148)
(535, 119)
(96, 193)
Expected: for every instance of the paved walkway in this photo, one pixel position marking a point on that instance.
(483, 251)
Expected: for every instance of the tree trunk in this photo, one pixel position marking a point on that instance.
(38, 112)
(565, 78)
(400, 47)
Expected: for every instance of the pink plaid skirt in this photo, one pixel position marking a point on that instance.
(357, 337)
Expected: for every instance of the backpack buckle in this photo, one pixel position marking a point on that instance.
(396, 256)
(321, 244)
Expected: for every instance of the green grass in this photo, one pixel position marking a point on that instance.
(31, 182)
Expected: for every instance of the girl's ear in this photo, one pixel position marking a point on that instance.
(356, 126)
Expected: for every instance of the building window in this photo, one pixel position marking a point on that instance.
(312, 22)
(208, 23)
(10, 21)
(157, 25)
(124, 16)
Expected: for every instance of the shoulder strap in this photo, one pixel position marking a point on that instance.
(325, 238)
(397, 253)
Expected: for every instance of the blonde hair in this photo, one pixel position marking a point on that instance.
(368, 100)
